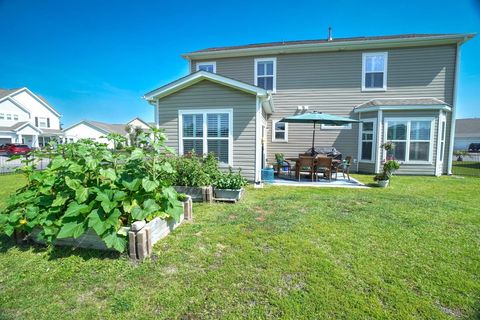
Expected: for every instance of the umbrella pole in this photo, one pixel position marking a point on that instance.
(313, 140)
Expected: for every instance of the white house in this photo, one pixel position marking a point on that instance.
(27, 118)
(97, 131)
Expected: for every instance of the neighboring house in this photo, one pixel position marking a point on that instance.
(402, 87)
(97, 131)
(466, 131)
(27, 118)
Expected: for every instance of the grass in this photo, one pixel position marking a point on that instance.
(409, 251)
(466, 168)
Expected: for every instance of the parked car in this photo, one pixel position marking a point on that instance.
(14, 149)
(474, 147)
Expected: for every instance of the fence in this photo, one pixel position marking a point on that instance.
(8, 166)
(466, 165)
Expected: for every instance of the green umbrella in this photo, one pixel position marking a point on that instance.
(318, 117)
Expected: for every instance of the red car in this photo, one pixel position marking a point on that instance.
(14, 149)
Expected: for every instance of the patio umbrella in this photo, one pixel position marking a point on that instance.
(318, 117)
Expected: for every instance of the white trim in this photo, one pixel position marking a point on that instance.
(274, 130)
(347, 126)
(18, 104)
(441, 137)
(454, 111)
(333, 46)
(408, 140)
(87, 123)
(378, 154)
(385, 70)
(28, 124)
(205, 138)
(213, 63)
(258, 141)
(270, 59)
(400, 107)
(35, 97)
(374, 140)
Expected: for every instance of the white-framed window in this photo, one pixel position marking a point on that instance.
(367, 140)
(374, 71)
(443, 135)
(205, 131)
(42, 122)
(412, 137)
(15, 117)
(347, 126)
(2, 116)
(266, 73)
(9, 116)
(280, 131)
(210, 66)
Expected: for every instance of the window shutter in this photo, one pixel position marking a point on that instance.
(36, 122)
(48, 122)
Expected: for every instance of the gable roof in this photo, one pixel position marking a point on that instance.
(465, 128)
(201, 75)
(325, 44)
(19, 126)
(6, 92)
(11, 92)
(142, 121)
(402, 104)
(104, 127)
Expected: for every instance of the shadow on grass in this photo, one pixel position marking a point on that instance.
(55, 252)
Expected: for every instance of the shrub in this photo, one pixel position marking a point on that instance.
(230, 180)
(389, 167)
(88, 186)
(194, 171)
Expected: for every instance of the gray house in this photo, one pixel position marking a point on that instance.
(403, 89)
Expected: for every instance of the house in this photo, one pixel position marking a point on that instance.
(466, 131)
(97, 131)
(27, 118)
(403, 88)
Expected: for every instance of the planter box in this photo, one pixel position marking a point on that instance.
(198, 194)
(228, 194)
(141, 236)
(383, 183)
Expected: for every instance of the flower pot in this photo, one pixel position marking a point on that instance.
(383, 183)
(228, 194)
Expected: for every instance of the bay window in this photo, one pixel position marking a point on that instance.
(367, 136)
(206, 132)
(266, 73)
(412, 139)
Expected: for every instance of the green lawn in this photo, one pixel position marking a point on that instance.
(466, 168)
(409, 251)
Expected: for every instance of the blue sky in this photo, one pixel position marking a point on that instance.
(95, 59)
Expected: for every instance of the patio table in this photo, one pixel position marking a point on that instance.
(335, 163)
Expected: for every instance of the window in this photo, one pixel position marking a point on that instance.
(207, 66)
(347, 126)
(367, 131)
(42, 122)
(412, 139)
(15, 117)
(207, 131)
(2, 116)
(266, 73)
(442, 137)
(9, 116)
(280, 131)
(374, 74)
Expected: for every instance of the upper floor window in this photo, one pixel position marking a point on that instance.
(9, 116)
(15, 117)
(280, 131)
(2, 116)
(42, 122)
(207, 66)
(266, 73)
(374, 75)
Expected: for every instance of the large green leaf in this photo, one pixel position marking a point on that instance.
(119, 195)
(132, 185)
(137, 154)
(112, 219)
(81, 194)
(58, 162)
(175, 211)
(96, 220)
(73, 184)
(108, 205)
(149, 185)
(108, 174)
(75, 209)
(113, 240)
(138, 213)
(150, 206)
(72, 229)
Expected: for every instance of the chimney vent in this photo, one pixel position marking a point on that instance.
(330, 34)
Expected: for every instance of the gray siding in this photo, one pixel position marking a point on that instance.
(208, 95)
(331, 82)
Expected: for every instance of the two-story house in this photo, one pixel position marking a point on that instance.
(403, 88)
(27, 118)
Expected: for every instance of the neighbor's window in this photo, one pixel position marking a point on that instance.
(367, 129)
(347, 126)
(280, 131)
(207, 66)
(42, 122)
(412, 139)
(9, 116)
(374, 71)
(265, 73)
(15, 117)
(205, 132)
(2, 116)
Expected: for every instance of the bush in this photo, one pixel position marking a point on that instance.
(230, 180)
(88, 186)
(194, 171)
(389, 167)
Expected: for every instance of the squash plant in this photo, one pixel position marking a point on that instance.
(87, 185)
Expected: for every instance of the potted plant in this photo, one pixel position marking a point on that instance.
(229, 186)
(389, 167)
(280, 158)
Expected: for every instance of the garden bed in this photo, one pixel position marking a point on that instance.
(198, 194)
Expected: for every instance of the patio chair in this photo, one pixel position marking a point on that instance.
(344, 167)
(324, 165)
(305, 164)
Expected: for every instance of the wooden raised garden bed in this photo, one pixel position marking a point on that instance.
(198, 194)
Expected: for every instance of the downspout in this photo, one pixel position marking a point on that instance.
(454, 111)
